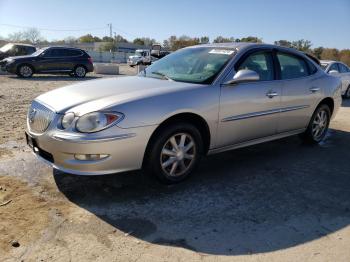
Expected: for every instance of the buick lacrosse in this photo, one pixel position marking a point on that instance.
(196, 101)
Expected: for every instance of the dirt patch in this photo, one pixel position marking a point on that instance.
(23, 213)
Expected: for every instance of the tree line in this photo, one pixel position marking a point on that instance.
(33, 36)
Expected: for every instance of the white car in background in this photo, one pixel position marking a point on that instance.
(341, 70)
(141, 57)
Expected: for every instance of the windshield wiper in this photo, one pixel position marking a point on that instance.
(163, 75)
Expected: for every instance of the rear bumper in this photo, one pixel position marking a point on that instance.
(90, 68)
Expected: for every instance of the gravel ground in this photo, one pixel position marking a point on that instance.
(278, 201)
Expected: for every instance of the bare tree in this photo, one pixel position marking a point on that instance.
(16, 37)
(32, 35)
(70, 40)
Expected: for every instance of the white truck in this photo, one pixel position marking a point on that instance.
(146, 56)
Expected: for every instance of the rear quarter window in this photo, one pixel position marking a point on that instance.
(73, 52)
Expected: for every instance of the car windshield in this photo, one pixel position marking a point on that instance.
(38, 52)
(193, 65)
(324, 66)
(140, 53)
(6, 48)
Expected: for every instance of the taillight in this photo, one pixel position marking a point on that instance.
(90, 60)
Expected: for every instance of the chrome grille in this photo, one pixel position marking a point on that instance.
(39, 117)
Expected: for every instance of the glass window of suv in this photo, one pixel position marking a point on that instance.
(56, 52)
(334, 67)
(71, 52)
(343, 68)
(292, 66)
(260, 62)
(21, 50)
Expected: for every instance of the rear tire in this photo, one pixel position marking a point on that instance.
(25, 71)
(174, 153)
(318, 126)
(79, 71)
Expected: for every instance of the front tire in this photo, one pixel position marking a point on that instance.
(79, 71)
(25, 71)
(174, 153)
(318, 126)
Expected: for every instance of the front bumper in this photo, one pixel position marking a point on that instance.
(125, 149)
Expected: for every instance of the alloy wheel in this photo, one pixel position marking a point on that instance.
(25, 71)
(80, 71)
(178, 154)
(319, 125)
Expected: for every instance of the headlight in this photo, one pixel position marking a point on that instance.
(67, 120)
(97, 121)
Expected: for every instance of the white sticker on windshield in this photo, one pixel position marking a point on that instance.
(221, 51)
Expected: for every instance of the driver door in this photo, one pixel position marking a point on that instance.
(250, 110)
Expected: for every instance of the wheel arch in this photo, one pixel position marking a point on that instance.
(82, 65)
(329, 102)
(27, 64)
(198, 121)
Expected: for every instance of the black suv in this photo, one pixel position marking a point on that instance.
(12, 49)
(73, 61)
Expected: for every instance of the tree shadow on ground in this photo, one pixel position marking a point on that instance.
(258, 199)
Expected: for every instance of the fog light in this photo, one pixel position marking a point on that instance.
(90, 157)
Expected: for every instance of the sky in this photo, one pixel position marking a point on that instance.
(323, 22)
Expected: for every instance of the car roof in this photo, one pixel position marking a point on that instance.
(245, 45)
(63, 47)
(22, 44)
(327, 61)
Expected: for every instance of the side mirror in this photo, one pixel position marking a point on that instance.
(333, 72)
(243, 76)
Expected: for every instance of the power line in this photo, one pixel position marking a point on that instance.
(70, 30)
(55, 30)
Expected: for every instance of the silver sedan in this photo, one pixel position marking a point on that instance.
(199, 100)
(340, 70)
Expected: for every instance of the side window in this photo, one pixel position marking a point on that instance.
(260, 62)
(292, 66)
(30, 50)
(334, 67)
(343, 68)
(70, 52)
(57, 52)
(22, 50)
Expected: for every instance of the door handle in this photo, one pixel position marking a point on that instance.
(271, 94)
(314, 89)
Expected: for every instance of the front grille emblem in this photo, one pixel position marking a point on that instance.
(32, 114)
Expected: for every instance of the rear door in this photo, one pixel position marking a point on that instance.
(73, 58)
(300, 91)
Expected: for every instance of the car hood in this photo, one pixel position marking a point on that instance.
(95, 95)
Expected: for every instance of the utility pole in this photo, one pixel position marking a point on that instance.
(110, 29)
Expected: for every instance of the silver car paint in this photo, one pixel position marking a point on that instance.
(236, 115)
(345, 77)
